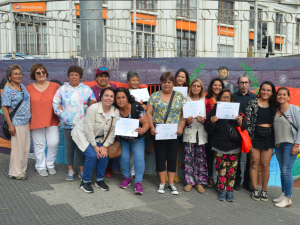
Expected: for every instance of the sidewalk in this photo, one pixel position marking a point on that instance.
(54, 200)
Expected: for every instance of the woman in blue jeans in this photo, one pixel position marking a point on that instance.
(287, 140)
(129, 108)
(92, 135)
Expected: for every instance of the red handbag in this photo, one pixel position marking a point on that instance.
(246, 140)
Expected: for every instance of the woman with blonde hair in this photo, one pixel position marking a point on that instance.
(195, 138)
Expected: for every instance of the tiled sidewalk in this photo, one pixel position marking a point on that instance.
(54, 200)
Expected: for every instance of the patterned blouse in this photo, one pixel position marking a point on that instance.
(160, 108)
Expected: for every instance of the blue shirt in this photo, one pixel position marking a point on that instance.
(11, 99)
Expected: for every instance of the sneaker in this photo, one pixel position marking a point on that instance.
(187, 188)
(138, 188)
(52, 171)
(102, 185)
(229, 196)
(222, 196)
(125, 183)
(43, 173)
(80, 174)
(70, 175)
(264, 196)
(86, 187)
(161, 189)
(173, 189)
(108, 172)
(255, 195)
(279, 199)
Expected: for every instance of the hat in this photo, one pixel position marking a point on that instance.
(101, 70)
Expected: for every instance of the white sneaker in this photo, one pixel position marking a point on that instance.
(173, 189)
(161, 189)
(276, 200)
(43, 173)
(52, 171)
(284, 203)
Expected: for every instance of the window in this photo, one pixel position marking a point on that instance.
(31, 35)
(186, 8)
(297, 32)
(225, 12)
(278, 24)
(278, 47)
(186, 44)
(144, 41)
(145, 4)
(252, 18)
(225, 50)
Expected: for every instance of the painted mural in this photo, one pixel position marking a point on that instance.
(281, 71)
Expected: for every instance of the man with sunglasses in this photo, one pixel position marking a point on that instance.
(243, 96)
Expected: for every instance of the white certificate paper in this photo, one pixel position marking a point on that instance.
(126, 127)
(183, 90)
(227, 110)
(140, 94)
(194, 108)
(166, 131)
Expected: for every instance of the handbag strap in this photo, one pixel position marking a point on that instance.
(12, 114)
(108, 130)
(288, 120)
(169, 107)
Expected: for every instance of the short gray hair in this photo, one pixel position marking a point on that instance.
(11, 68)
(132, 73)
(244, 75)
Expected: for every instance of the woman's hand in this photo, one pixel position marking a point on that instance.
(140, 130)
(103, 152)
(190, 119)
(179, 130)
(142, 104)
(239, 120)
(60, 107)
(213, 119)
(295, 150)
(12, 130)
(98, 151)
(153, 131)
(200, 119)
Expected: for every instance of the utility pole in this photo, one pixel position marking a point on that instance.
(255, 27)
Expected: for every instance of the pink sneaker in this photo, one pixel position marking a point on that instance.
(125, 183)
(139, 188)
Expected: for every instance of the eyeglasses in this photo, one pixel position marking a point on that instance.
(196, 86)
(225, 97)
(39, 73)
(242, 83)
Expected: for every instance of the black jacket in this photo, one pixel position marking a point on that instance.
(219, 134)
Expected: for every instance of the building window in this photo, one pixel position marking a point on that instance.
(252, 18)
(144, 41)
(145, 4)
(278, 47)
(186, 44)
(225, 12)
(278, 24)
(186, 8)
(297, 32)
(31, 35)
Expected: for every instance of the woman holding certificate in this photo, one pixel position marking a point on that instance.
(260, 114)
(164, 110)
(214, 88)
(195, 138)
(129, 108)
(226, 146)
(92, 135)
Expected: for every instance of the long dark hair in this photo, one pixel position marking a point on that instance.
(130, 98)
(104, 90)
(187, 77)
(210, 92)
(272, 99)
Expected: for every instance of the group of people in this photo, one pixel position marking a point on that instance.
(88, 119)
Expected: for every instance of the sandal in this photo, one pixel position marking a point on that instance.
(176, 179)
(210, 184)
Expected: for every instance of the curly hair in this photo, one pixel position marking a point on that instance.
(210, 91)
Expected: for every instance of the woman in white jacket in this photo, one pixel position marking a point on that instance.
(89, 135)
(195, 138)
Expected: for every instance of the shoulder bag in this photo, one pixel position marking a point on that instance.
(11, 116)
(288, 120)
(246, 140)
(114, 150)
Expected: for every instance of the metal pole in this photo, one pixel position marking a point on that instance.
(255, 28)
(198, 28)
(134, 29)
(71, 28)
(12, 32)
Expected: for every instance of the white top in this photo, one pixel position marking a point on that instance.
(102, 131)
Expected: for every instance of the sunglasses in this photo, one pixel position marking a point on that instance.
(39, 73)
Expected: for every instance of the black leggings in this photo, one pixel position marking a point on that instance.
(209, 157)
(166, 150)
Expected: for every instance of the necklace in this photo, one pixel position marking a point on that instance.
(16, 87)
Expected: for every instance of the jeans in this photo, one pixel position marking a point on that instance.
(286, 161)
(138, 152)
(89, 164)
